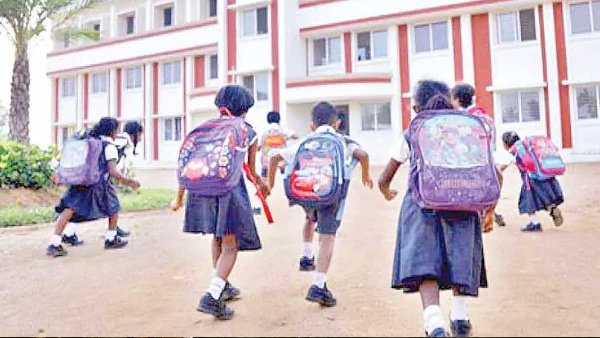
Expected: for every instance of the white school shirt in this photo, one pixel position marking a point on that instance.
(110, 152)
(277, 127)
(400, 151)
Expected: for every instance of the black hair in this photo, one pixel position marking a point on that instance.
(324, 114)
(134, 128)
(105, 127)
(509, 138)
(464, 94)
(273, 117)
(235, 98)
(427, 90)
(438, 102)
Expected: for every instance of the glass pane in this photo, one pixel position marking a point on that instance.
(596, 14)
(368, 117)
(168, 130)
(384, 116)
(168, 16)
(249, 23)
(380, 44)
(261, 20)
(530, 106)
(138, 77)
(130, 24)
(440, 35)
(166, 73)
(587, 103)
(319, 53)
(212, 8)
(214, 66)
(176, 72)
(422, 42)
(335, 50)
(248, 83)
(527, 18)
(177, 129)
(580, 18)
(262, 87)
(506, 26)
(510, 107)
(363, 45)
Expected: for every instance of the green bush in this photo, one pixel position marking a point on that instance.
(25, 166)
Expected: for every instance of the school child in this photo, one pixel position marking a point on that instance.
(88, 203)
(435, 249)
(324, 121)
(536, 195)
(229, 217)
(275, 137)
(127, 143)
(462, 99)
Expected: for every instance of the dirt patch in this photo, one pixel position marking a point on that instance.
(28, 198)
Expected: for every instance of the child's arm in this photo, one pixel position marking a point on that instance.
(363, 157)
(273, 164)
(116, 174)
(386, 179)
(178, 201)
(264, 188)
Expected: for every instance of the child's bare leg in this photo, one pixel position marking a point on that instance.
(326, 243)
(308, 234)
(227, 255)
(432, 313)
(216, 252)
(63, 220)
(55, 248)
(113, 221)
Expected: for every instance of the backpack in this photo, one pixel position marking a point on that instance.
(272, 139)
(212, 155)
(80, 161)
(453, 168)
(539, 157)
(121, 143)
(489, 122)
(317, 176)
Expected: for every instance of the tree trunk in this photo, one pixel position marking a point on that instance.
(19, 96)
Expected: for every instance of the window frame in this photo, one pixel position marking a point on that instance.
(375, 111)
(175, 137)
(520, 93)
(255, 34)
(517, 25)
(254, 89)
(102, 90)
(208, 70)
(372, 57)
(63, 86)
(159, 24)
(172, 82)
(125, 79)
(431, 49)
(327, 49)
(594, 120)
(590, 8)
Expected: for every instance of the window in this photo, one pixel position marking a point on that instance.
(164, 16)
(133, 78)
(585, 17)
(431, 37)
(371, 45)
(66, 133)
(521, 106)
(516, 26)
(92, 26)
(68, 87)
(587, 102)
(130, 29)
(171, 73)
(99, 83)
(213, 67)
(167, 16)
(327, 51)
(212, 8)
(255, 22)
(376, 116)
(258, 85)
(126, 24)
(172, 129)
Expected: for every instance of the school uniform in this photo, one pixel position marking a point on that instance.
(99, 200)
(277, 128)
(327, 219)
(230, 214)
(446, 246)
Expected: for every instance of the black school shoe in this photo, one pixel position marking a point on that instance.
(557, 216)
(439, 332)
(123, 233)
(532, 228)
(499, 220)
(116, 243)
(461, 328)
(56, 251)
(307, 264)
(229, 293)
(73, 240)
(322, 296)
(216, 308)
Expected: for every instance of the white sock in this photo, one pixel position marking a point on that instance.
(433, 318)
(55, 240)
(535, 219)
(319, 279)
(110, 235)
(70, 229)
(307, 250)
(216, 287)
(460, 309)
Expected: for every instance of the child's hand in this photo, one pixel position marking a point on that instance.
(54, 179)
(367, 181)
(134, 184)
(389, 194)
(264, 188)
(176, 204)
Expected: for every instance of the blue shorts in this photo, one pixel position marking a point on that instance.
(325, 217)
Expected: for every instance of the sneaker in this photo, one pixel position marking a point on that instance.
(56, 251)
(532, 228)
(557, 216)
(322, 296)
(307, 264)
(116, 243)
(73, 240)
(230, 292)
(499, 220)
(257, 211)
(214, 307)
(123, 233)
(461, 328)
(439, 332)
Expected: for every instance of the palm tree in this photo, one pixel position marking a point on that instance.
(22, 20)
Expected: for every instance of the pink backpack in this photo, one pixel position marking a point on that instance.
(539, 157)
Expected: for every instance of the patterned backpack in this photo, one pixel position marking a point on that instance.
(453, 168)
(539, 157)
(212, 155)
(80, 161)
(316, 177)
(272, 139)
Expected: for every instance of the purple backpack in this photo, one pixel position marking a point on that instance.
(212, 155)
(80, 162)
(453, 163)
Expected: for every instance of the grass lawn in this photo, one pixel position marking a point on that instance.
(143, 199)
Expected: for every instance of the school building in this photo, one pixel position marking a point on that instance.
(534, 64)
